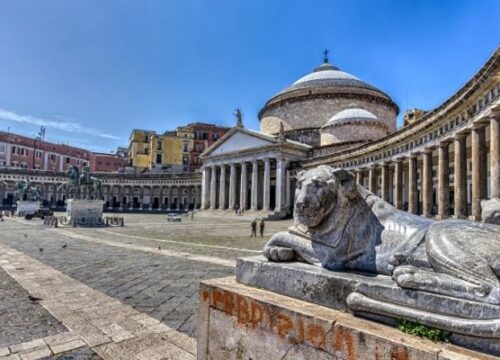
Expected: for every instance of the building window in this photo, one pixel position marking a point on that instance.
(158, 158)
(68, 160)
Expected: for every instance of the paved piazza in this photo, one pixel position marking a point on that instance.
(113, 293)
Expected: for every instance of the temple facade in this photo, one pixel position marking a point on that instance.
(441, 163)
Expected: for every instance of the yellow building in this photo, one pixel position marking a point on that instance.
(166, 152)
(139, 148)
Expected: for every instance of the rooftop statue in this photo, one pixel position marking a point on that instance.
(341, 226)
(239, 117)
(27, 192)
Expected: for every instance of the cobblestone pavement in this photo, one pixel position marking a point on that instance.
(150, 264)
(22, 319)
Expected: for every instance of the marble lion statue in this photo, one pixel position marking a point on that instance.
(490, 211)
(343, 227)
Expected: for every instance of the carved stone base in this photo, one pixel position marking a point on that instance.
(84, 211)
(27, 207)
(236, 321)
(474, 324)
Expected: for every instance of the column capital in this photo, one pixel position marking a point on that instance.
(444, 143)
(460, 135)
(495, 115)
(478, 126)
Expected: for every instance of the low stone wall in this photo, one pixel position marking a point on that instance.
(236, 321)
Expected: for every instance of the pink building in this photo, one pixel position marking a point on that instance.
(18, 151)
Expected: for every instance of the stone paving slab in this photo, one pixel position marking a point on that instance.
(22, 319)
(62, 345)
(52, 286)
(162, 286)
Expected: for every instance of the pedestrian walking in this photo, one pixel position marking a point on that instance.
(261, 227)
(192, 215)
(254, 228)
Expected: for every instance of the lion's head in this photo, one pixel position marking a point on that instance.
(319, 192)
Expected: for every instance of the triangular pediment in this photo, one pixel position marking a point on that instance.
(237, 140)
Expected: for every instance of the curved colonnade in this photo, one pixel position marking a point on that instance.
(121, 192)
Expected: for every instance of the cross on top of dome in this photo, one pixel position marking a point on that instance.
(325, 56)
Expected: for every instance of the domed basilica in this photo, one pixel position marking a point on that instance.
(329, 106)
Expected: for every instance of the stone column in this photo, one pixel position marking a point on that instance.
(287, 189)
(460, 176)
(385, 182)
(359, 177)
(171, 194)
(244, 186)
(478, 171)
(443, 181)
(495, 156)
(255, 186)
(205, 181)
(372, 179)
(222, 188)
(213, 188)
(120, 197)
(280, 184)
(398, 184)
(141, 206)
(427, 183)
(412, 185)
(232, 187)
(267, 186)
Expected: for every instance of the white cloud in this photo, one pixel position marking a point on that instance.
(61, 124)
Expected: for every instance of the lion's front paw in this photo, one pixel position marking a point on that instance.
(404, 275)
(279, 253)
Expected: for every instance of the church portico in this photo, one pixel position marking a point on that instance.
(253, 176)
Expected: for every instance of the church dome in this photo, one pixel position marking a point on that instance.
(350, 115)
(308, 104)
(329, 76)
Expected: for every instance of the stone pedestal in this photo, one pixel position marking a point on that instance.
(236, 321)
(89, 210)
(27, 207)
(350, 292)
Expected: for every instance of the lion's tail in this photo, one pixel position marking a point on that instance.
(486, 328)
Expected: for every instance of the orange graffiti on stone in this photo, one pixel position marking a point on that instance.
(399, 353)
(218, 298)
(243, 311)
(228, 303)
(316, 335)
(205, 295)
(342, 340)
(257, 314)
(284, 324)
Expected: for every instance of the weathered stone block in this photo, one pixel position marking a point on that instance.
(241, 322)
(27, 207)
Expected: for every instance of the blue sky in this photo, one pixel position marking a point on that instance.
(93, 70)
